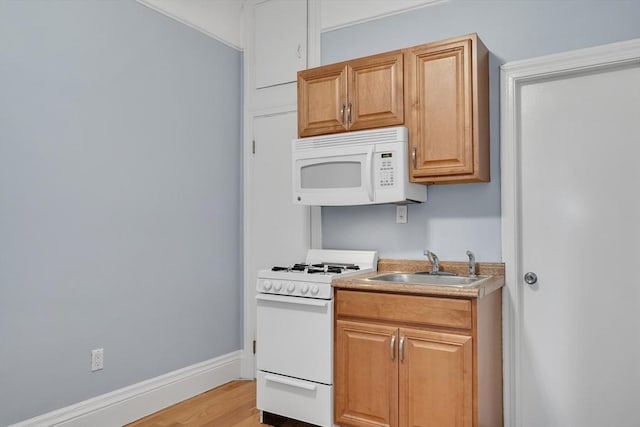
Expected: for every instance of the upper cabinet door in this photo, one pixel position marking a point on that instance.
(360, 94)
(280, 44)
(375, 92)
(447, 91)
(322, 100)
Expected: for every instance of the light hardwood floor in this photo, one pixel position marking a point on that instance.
(230, 405)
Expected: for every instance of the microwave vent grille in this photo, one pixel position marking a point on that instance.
(377, 136)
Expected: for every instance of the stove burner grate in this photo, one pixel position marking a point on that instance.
(323, 267)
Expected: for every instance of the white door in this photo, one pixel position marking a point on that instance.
(277, 230)
(280, 45)
(571, 212)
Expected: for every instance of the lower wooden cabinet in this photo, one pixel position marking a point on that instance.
(435, 379)
(390, 373)
(366, 390)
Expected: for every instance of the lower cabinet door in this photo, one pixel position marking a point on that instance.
(436, 382)
(366, 375)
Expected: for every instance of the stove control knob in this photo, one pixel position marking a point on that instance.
(267, 285)
(315, 290)
(304, 289)
(291, 287)
(277, 286)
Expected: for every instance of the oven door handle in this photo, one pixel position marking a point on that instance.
(292, 300)
(291, 382)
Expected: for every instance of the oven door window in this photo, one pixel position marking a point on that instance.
(295, 337)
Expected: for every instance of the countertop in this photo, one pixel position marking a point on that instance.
(494, 281)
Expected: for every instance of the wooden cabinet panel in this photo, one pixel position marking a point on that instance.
(443, 123)
(376, 92)
(454, 313)
(322, 100)
(366, 375)
(436, 381)
(448, 110)
(360, 94)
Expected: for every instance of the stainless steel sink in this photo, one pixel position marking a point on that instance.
(429, 279)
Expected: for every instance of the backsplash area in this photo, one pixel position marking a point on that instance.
(453, 219)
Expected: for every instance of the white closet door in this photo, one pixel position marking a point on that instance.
(280, 41)
(278, 231)
(572, 207)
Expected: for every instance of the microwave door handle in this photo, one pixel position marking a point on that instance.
(368, 173)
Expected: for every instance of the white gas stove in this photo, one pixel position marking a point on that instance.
(312, 279)
(295, 333)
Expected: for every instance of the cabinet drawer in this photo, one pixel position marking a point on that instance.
(454, 313)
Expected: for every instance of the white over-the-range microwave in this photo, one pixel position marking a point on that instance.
(354, 168)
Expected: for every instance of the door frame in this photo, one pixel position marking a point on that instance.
(513, 76)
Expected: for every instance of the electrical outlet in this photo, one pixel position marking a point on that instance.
(401, 214)
(97, 359)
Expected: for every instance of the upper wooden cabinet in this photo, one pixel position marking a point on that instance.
(447, 104)
(360, 94)
(439, 90)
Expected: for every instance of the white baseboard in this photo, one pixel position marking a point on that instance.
(133, 402)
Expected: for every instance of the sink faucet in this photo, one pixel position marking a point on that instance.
(433, 259)
(472, 264)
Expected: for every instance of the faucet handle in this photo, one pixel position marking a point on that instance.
(472, 263)
(433, 259)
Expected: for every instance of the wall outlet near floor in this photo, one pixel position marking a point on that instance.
(401, 214)
(97, 359)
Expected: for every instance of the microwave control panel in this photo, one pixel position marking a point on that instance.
(386, 167)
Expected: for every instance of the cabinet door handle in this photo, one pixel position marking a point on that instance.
(401, 349)
(393, 347)
(349, 113)
(414, 157)
(342, 114)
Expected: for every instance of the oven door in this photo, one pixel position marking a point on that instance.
(295, 337)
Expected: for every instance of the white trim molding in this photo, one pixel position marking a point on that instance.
(338, 14)
(220, 20)
(513, 76)
(136, 401)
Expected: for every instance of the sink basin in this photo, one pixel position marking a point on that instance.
(428, 279)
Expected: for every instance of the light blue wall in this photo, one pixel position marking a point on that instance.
(460, 217)
(120, 194)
